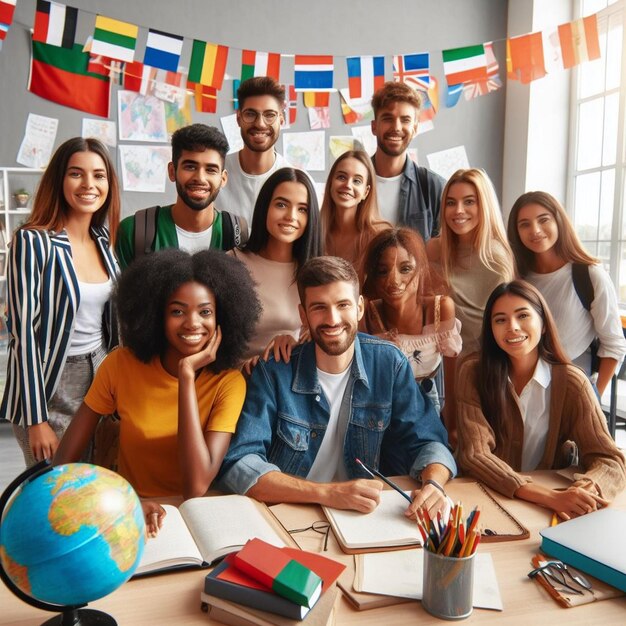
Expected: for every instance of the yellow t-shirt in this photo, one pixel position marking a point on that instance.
(145, 397)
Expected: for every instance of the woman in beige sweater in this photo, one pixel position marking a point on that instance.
(521, 403)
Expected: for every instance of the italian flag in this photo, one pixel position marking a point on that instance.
(60, 75)
(462, 65)
(255, 63)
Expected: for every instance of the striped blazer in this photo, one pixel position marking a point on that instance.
(42, 297)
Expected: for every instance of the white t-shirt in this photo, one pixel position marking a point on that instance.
(577, 326)
(241, 190)
(194, 242)
(328, 464)
(388, 195)
(87, 335)
(535, 405)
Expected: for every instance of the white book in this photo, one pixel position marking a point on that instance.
(203, 530)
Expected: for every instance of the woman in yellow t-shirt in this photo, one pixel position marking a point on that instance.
(185, 322)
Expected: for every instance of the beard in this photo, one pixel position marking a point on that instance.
(393, 151)
(334, 346)
(271, 140)
(196, 205)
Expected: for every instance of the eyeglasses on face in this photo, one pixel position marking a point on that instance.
(561, 574)
(249, 116)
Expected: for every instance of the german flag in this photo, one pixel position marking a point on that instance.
(60, 75)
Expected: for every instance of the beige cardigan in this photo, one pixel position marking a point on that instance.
(575, 415)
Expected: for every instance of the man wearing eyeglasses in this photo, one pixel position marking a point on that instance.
(260, 116)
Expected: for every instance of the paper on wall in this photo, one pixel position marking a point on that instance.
(305, 150)
(233, 132)
(104, 130)
(144, 168)
(39, 135)
(446, 162)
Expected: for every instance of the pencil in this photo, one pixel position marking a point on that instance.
(377, 474)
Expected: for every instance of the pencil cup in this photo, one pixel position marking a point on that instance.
(448, 585)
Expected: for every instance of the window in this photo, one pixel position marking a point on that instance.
(597, 162)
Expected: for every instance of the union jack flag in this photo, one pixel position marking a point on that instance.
(412, 69)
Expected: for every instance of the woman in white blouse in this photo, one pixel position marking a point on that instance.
(548, 255)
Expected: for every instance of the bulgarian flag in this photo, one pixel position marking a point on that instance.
(579, 41)
(462, 65)
(60, 75)
(259, 64)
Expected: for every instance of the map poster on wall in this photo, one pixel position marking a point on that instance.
(141, 118)
(306, 150)
(144, 168)
(104, 130)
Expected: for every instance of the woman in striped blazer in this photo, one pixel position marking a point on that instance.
(59, 277)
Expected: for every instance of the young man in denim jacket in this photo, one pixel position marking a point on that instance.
(342, 396)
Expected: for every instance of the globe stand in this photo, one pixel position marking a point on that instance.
(81, 617)
(69, 615)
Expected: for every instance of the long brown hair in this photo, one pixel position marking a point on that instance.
(494, 362)
(490, 237)
(50, 205)
(367, 213)
(568, 246)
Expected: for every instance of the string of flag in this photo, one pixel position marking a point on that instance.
(109, 54)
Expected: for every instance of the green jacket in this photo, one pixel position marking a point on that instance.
(165, 236)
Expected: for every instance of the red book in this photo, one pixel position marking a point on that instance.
(277, 570)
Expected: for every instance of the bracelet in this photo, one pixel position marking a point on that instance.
(434, 483)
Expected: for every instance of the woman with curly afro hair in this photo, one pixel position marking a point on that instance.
(185, 322)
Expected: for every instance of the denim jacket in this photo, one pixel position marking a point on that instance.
(392, 425)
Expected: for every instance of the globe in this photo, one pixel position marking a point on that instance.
(72, 534)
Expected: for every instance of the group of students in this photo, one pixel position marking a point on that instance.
(190, 324)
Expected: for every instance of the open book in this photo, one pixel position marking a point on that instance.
(202, 530)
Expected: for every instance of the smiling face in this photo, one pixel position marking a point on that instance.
(259, 135)
(394, 127)
(517, 328)
(537, 228)
(199, 176)
(288, 212)
(190, 320)
(396, 279)
(349, 184)
(85, 185)
(332, 313)
(462, 210)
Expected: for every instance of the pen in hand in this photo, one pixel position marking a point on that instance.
(377, 474)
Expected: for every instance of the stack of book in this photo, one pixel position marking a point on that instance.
(263, 584)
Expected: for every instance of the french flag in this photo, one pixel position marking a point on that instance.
(365, 75)
(313, 72)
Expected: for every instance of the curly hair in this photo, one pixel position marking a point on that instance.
(145, 286)
(198, 138)
(568, 246)
(50, 205)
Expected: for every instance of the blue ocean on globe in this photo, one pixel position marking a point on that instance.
(72, 535)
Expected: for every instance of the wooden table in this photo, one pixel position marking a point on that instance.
(174, 599)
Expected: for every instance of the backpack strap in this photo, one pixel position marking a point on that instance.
(145, 230)
(582, 284)
(234, 229)
(422, 177)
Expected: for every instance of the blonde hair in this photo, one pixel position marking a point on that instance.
(490, 230)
